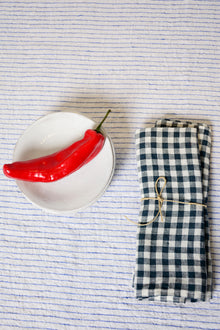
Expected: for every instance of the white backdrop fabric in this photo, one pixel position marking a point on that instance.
(145, 60)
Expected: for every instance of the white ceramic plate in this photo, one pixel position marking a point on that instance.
(78, 190)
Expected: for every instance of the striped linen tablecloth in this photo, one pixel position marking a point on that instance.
(147, 61)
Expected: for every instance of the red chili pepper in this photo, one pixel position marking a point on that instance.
(59, 164)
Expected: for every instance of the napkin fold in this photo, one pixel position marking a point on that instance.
(173, 257)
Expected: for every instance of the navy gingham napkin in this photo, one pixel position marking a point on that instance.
(173, 256)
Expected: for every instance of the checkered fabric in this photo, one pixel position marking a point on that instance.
(173, 256)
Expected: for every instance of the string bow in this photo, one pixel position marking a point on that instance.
(160, 200)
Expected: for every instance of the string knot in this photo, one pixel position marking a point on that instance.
(160, 200)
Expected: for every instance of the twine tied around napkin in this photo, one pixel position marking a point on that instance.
(173, 260)
(160, 200)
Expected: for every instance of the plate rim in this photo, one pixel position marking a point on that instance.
(75, 210)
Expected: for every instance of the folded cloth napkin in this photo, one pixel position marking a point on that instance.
(173, 256)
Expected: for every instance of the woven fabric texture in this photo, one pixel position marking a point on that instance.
(173, 256)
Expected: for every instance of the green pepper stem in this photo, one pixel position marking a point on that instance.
(99, 126)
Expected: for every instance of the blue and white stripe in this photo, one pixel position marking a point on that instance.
(146, 60)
